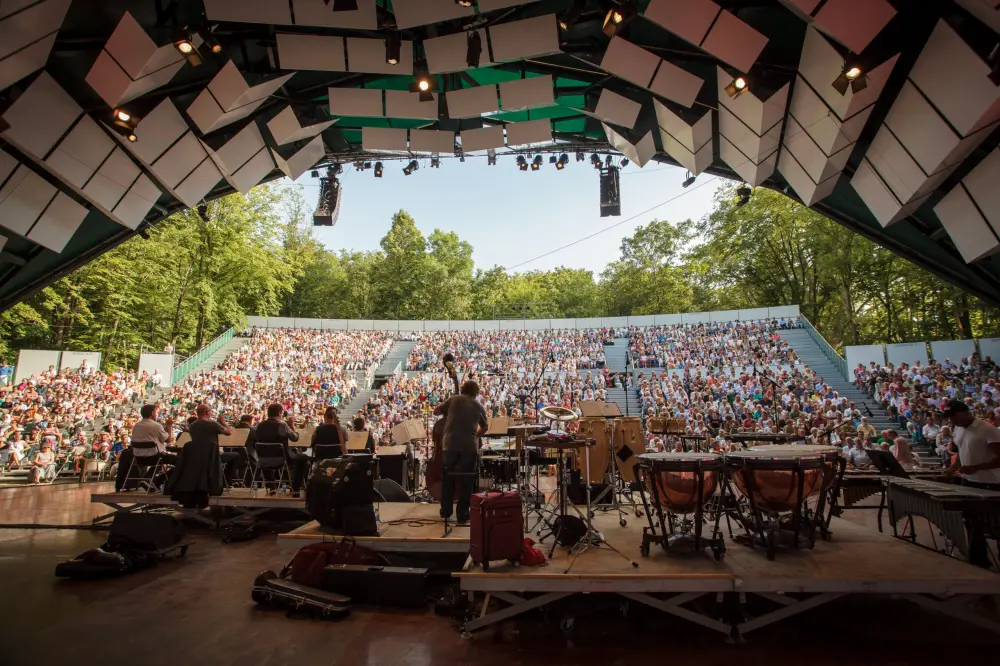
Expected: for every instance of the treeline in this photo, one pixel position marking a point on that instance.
(206, 269)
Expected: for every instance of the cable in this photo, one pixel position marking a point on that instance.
(616, 224)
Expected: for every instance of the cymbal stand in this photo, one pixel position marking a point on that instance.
(593, 538)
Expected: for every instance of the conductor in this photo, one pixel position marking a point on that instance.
(465, 419)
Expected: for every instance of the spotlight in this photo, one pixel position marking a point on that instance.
(689, 180)
(359, 166)
(474, 48)
(131, 136)
(553, 159)
(744, 194)
(464, 3)
(563, 161)
(411, 167)
(378, 169)
(393, 46)
(125, 123)
(328, 206)
(185, 46)
(607, 161)
(209, 40)
(536, 163)
(615, 19)
(522, 163)
(491, 157)
(851, 75)
(580, 156)
(624, 162)
(368, 165)
(737, 87)
(122, 115)
(435, 163)
(314, 174)
(423, 82)
(573, 15)
(595, 159)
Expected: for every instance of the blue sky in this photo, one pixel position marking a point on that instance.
(510, 216)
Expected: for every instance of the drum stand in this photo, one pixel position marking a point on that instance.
(673, 539)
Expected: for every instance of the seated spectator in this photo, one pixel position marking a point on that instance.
(902, 452)
(43, 467)
(858, 458)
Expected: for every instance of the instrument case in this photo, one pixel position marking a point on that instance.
(269, 589)
(496, 527)
(378, 585)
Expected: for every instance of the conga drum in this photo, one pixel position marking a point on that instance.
(776, 486)
(598, 430)
(629, 444)
(656, 425)
(680, 485)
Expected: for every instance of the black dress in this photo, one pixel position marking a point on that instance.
(327, 442)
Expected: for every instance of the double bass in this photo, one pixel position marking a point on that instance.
(435, 462)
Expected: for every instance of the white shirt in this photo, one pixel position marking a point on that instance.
(972, 449)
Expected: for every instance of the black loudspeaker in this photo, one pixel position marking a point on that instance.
(390, 491)
(146, 531)
(394, 467)
(576, 491)
(356, 520)
(340, 484)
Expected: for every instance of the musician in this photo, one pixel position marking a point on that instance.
(359, 426)
(330, 433)
(274, 430)
(465, 421)
(978, 447)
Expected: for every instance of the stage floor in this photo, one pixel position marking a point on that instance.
(239, 501)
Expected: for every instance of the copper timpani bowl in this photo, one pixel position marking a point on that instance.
(832, 455)
(675, 476)
(771, 478)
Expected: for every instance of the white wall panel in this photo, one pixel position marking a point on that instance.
(588, 322)
(256, 322)
(404, 104)
(383, 138)
(31, 362)
(529, 132)
(953, 350)
(537, 324)
(529, 38)
(863, 354)
(725, 316)
(314, 324)
(482, 139)
(448, 54)
(487, 325)
(696, 317)
(436, 325)
(280, 322)
(907, 352)
(363, 102)
(783, 311)
(512, 325)
(163, 362)
(989, 347)
(472, 102)
(73, 360)
(668, 319)
(411, 325)
(526, 93)
(642, 320)
(432, 141)
(334, 324)
(462, 325)
(563, 323)
(386, 325)
(614, 322)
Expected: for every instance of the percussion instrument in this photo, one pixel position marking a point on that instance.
(765, 437)
(834, 458)
(629, 444)
(776, 486)
(600, 454)
(558, 414)
(680, 484)
(659, 425)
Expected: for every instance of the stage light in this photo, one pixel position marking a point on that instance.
(522, 163)
(368, 165)
(563, 161)
(378, 169)
(624, 162)
(464, 3)
(209, 40)
(580, 156)
(124, 123)
(737, 87)
(423, 82)
(314, 173)
(491, 157)
(689, 180)
(393, 46)
(435, 163)
(359, 166)
(328, 206)
(122, 115)
(537, 163)
(853, 76)
(573, 15)
(607, 161)
(131, 136)
(185, 46)
(553, 159)
(474, 49)
(744, 194)
(411, 167)
(615, 19)
(595, 159)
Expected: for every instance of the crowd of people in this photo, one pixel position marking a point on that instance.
(714, 346)
(504, 352)
(309, 351)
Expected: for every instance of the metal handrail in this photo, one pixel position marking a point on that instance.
(188, 365)
(839, 361)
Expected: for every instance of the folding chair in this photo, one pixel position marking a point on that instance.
(327, 452)
(146, 463)
(269, 457)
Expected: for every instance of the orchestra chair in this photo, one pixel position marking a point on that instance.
(269, 460)
(327, 452)
(144, 468)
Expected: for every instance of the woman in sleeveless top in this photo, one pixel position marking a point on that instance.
(329, 433)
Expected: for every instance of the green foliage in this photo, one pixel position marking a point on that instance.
(205, 269)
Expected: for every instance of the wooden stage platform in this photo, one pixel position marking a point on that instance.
(238, 500)
(857, 560)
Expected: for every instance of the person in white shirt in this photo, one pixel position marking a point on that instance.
(156, 379)
(858, 457)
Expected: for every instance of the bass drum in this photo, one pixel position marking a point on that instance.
(598, 430)
(629, 445)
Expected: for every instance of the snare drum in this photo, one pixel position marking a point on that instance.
(629, 444)
(598, 430)
(672, 479)
(772, 479)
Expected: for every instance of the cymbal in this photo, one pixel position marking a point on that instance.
(528, 427)
(557, 413)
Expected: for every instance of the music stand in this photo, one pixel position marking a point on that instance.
(887, 464)
(356, 440)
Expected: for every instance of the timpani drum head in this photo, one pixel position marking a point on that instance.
(675, 476)
(772, 477)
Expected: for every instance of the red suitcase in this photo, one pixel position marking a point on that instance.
(497, 528)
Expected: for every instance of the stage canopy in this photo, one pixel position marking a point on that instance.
(879, 114)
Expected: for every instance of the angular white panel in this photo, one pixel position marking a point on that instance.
(809, 191)
(411, 13)
(134, 206)
(690, 145)
(251, 173)
(26, 37)
(80, 154)
(753, 173)
(10, 6)
(816, 163)
(689, 19)
(630, 62)
(240, 149)
(926, 135)
(876, 195)
(526, 93)
(529, 38)
(318, 53)
(228, 98)
(301, 161)
(40, 116)
(286, 128)
(23, 200)
(472, 102)
(750, 145)
(22, 63)
(318, 13)
(383, 138)
(182, 158)
(112, 181)
(705, 24)
(249, 11)
(676, 84)
(617, 109)
(448, 54)
(955, 79)
(981, 183)
(363, 102)
(733, 41)
(199, 183)
(824, 127)
(368, 56)
(157, 131)
(854, 23)
(7, 166)
(432, 141)
(965, 224)
(529, 132)
(58, 223)
(482, 139)
(639, 153)
(404, 104)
